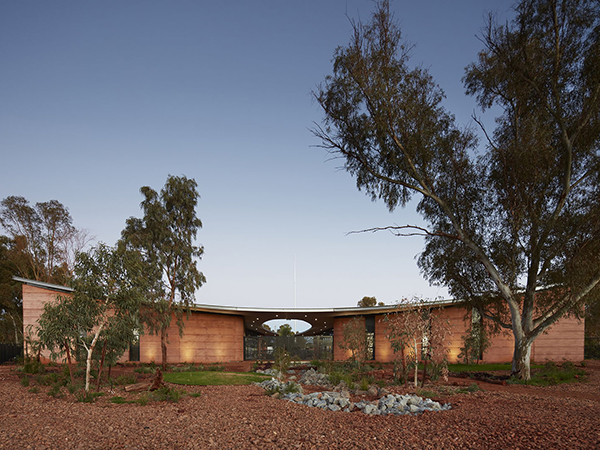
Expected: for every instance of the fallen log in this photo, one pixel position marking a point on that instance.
(153, 385)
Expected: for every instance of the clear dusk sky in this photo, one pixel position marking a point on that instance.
(100, 98)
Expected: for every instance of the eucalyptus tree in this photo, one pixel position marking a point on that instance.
(109, 287)
(285, 330)
(11, 304)
(368, 302)
(515, 225)
(165, 238)
(44, 240)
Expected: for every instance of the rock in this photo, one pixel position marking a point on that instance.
(373, 391)
(339, 401)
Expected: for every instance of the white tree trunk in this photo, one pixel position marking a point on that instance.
(90, 351)
(521, 364)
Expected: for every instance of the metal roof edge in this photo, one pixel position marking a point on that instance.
(41, 284)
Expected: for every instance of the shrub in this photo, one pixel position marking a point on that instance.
(189, 368)
(87, 397)
(118, 400)
(144, 369)
(473, 387)
(167, 393)
(25, 381)
(33, 366)
(364, 384)
(435, 370)
(125, 379)
(551, 374)
(425, 393)
(55, 391)
(287, 388)
(34, 390)
(143, 399)
(282, 362)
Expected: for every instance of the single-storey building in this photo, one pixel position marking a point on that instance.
(227, 334)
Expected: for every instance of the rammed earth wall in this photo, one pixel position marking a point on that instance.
(215, 337)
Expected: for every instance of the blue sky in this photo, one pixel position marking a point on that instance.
(100, 98)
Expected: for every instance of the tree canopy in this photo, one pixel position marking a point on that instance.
(40, 244)
(165, 238)
(285, 330)
(514, 226)
(44, 240)
(109, 288)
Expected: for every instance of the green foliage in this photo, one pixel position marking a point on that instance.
(164, 237)
(437, 370)
(25, 381)
(364, 384)
(489, 367)
(34, 390)
(143, 399)
(55, 391)
(196, 394)
(125, 379)
(146, 369)
(337, 375)
(87, 397)
(473, 387)
(215, 368)
(11, 302)
(32, 366)
(285, 330)
(367, 302)
(43, 240)
(214, 378)
(355, 340)
(108, 291)
(552, 374)
(188, 368)
(166, 394)
(475, 342)
(282, 362)
(521, 214)
(426, 394)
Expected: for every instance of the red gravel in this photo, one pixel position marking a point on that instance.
(507, 417)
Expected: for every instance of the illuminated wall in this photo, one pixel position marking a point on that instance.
(207, 338)
(563, 341)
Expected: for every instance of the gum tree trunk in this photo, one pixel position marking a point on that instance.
(521, 364)
(163, 347)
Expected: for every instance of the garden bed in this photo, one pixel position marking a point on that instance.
(498, 416)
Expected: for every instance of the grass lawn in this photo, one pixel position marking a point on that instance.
(210, 378)
(478, 367)
(484, 367)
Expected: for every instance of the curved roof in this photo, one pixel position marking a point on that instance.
(320, 319)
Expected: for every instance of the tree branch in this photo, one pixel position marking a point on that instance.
(395, 231)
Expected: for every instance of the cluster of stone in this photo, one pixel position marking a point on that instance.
(275, 385)
(273, 372)
(339, 401)
(313, 378)
(390, 404)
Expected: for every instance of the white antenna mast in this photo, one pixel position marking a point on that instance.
(294, 290)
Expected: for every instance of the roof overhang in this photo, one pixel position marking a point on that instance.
(320, 319)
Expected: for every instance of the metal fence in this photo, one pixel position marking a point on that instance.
(306, 348)
(592, 348)
(9, 352)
